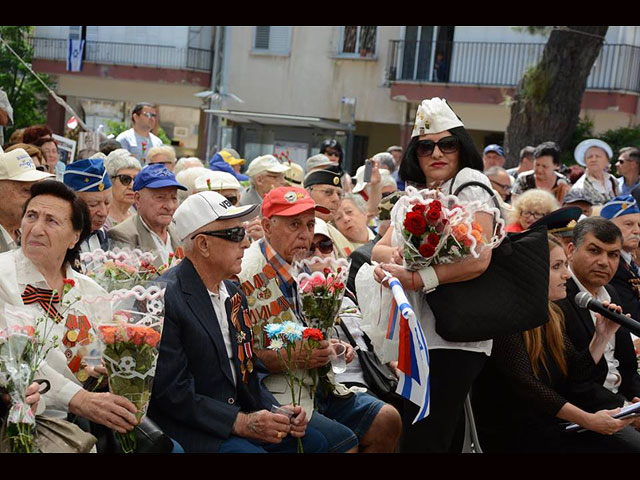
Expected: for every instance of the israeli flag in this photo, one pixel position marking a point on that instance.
(413, 353)
(74, 55)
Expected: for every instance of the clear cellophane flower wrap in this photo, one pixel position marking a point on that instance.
(17, 350)
(321, 285)
(433, 228)
(131, 339)
(24, 345)
(121, 268)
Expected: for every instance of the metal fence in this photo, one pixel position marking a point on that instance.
(502, 64)
(111, 53)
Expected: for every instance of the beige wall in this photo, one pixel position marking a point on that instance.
(131, 91)
(311, 80)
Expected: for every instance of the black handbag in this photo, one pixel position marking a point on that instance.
(378, 376)
(511, 296)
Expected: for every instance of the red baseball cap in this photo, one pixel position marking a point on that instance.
(289, 201)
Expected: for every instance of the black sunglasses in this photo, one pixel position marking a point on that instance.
(232, 200)
(449, 144)
(325, 246)
(41, 168)
(124, 179)
(235, 234)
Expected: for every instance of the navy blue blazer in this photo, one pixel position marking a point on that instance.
(592, 395)
(195, 400)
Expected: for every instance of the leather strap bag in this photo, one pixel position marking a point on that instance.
(511, 296)
(377, 375)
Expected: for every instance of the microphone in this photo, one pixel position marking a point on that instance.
(586, 300)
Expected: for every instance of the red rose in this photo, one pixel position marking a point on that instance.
(433, 239)
(415, 223)
(69, 281)
(433, 216)
(426, 250)
(313, 334)
(419, 208)
(436, 205)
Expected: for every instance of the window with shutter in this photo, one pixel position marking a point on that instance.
(273, 40)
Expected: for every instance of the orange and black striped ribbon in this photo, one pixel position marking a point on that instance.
(45, 298)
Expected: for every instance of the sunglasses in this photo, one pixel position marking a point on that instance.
(125, 179)
(41, 168)
(150, 115)
(232, 200)
(324, 246)
(450, 144)
(235, 234)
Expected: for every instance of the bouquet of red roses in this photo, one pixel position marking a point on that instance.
(434, 228)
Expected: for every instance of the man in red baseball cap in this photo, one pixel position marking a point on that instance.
(344, 418)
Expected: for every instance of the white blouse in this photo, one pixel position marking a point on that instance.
(418, 300)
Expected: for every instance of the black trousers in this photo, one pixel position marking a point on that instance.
(451, 372)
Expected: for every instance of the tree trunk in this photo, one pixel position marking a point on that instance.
(547, 101)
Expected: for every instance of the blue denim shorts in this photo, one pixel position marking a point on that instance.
(355, 412)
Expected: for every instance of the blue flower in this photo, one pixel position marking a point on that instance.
(292, 331)
(273, 329)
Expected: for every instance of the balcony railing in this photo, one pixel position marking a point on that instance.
(502, 64)
(157, 56)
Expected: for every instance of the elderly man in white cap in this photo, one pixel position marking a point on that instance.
(265, 173)
(17, 174)
(229, 187)
(206, 393)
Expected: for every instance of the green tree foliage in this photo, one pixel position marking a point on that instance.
(27, 96)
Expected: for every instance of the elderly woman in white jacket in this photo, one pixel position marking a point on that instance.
(52, 226)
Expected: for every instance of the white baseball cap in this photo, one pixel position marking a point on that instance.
(218, 181)
(266, 163)
(18, 166)
(202, 208)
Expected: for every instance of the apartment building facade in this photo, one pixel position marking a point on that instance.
(285, 89)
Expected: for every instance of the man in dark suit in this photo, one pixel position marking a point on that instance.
(594, 256)
(624, 212)
(207, 394)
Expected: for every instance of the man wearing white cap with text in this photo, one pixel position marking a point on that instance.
(206, 392)
(265, 173)
(17, 174)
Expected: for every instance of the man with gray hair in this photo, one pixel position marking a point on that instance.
(623, 211)
(500, 181)
(265, 173)
(150, 229)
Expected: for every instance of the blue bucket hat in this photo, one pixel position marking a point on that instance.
(619, 206)
(87, 176)
(493, 148)
(156, 175)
